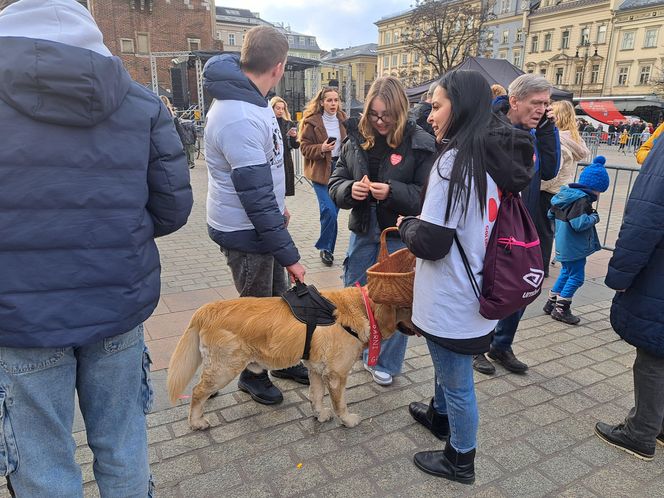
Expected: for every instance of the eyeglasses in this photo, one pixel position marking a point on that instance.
(380, 117)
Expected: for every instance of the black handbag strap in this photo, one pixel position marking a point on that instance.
(469, 270)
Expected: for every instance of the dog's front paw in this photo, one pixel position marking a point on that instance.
(199, 425)
(351, 420)
(324, 415)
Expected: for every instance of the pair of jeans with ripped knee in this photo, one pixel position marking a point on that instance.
(37, 394)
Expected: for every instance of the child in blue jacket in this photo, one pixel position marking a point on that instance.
(576, 236)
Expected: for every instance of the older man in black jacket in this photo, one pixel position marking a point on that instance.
(636, 272)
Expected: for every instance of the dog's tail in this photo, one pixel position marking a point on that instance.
(185, 360)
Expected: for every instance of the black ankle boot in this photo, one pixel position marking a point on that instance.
(550, 305)
(449, 464)
(259, 387)
(438, 424)
(562, 312)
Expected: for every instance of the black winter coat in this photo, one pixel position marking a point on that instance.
(420, 114)
(405, 168)
(637, 265)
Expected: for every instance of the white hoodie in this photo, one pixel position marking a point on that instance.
(62, 21)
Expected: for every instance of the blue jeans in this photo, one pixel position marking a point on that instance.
(506, 330)
(455, 395)
(362, 253)
(328, 218)
(572, 276)
(37, 388)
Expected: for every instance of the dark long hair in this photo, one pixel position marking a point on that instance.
(471, 97)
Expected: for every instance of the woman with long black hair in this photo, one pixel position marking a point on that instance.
(480, 156)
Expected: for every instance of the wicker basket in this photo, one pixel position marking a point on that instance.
(390, 280)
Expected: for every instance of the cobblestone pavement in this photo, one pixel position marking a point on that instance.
(536, 430)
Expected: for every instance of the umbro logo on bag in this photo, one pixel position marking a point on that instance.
(534, 278)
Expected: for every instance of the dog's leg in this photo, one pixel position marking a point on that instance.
(336, 385)
(316, 393)
(212, 379)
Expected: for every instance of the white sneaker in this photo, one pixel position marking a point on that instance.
(380, 378)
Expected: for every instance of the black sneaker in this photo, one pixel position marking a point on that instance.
(327, 258)
(260, 388)
(482, 365)
(563, 313)
(298, 373)
(660, 439)
(615, 436)
(508, 360)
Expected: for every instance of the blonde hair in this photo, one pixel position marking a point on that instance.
(563, 110)
(392, 93)
(498, 90)
(168, 104)
(315, 105)
(278, 100)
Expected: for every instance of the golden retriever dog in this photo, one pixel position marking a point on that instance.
(262, 333)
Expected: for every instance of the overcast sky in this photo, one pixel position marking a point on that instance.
(336, 23)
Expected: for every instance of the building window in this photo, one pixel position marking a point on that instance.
(547, 41)
(194, 44)
(489, 39)
(506, 37)
(386, 61)
(231, 39)
(303, 40)
(627, 41)
(312, 42)
(404, 59)
(502, 54)
(516, 58)
(416, 58)
(386, 38)
(519, 35)
(126, 45)
(542, 72)
(505, 6)
(534, 44)
(601, 34)
(291, 40)
(565, 39)
(585, 36)
(394, 61)
(142, 43)
(623, 74)
(395, 37)
(644, 75)
(650, 39)
(578, 76)
(594, 74)
(559, 75)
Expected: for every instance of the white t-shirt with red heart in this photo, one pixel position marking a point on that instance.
(444, 303)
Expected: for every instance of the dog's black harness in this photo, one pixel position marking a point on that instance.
(309, 307)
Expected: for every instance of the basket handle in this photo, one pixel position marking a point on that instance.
(383, 254)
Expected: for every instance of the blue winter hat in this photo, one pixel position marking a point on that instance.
(594, 176)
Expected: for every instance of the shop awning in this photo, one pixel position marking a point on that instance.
(604, 111)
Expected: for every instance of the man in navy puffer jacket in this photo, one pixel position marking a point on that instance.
(91, 171)
(636, 271)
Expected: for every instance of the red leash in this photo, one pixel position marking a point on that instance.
(374, 337)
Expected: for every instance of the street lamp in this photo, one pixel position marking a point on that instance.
(586, 45)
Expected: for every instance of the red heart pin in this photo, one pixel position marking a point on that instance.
(395, 159)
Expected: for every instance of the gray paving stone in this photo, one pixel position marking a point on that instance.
(266, 464)
(560, 385)
(619, 482)
(597, 453)
(315, 446)
(391, 475)
(298, 480)
(497, 387)
(254, 489)
(515, 455)
(175, 470)
(576, 491)
(184, 444)
(544, 414)
(574, 402)
(278, 417)
(529, 483)
(610, 368)
(347, 461)
(348, 487)
(391, 445)
(549, 440)
(84, 455)
(231, 430)
(532, 395)
(181, 427)
(211, 484)
(602, 392)
(564, 469)
(157, 434)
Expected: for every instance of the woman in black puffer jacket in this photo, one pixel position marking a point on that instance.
(383, 165)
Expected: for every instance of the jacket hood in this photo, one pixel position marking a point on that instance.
(567, 196)
(58, 83)
(224, 80)
(420, 139)
(62, 21)
(510, 153)
(579, 150)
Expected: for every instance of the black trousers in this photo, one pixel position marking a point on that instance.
(544, 227)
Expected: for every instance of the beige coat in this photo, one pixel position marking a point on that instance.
(571, 152)
(317, 164)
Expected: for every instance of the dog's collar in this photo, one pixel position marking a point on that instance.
(351, 332)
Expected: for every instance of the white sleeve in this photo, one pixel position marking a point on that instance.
(435, 199)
